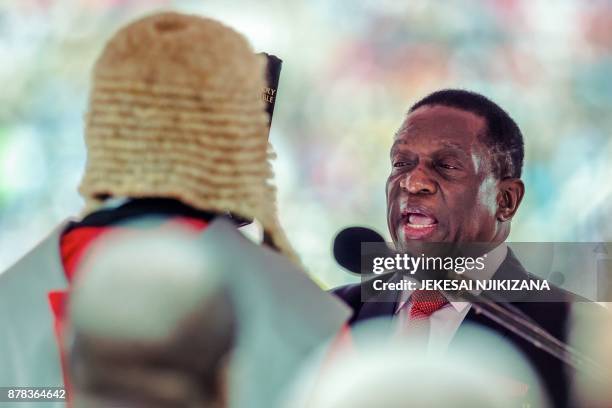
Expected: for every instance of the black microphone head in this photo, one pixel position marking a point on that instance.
(347, 246)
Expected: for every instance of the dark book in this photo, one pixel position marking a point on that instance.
(273, 70)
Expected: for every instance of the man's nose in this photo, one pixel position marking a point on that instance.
(418, 182)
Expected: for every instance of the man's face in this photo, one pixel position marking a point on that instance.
(441, 187)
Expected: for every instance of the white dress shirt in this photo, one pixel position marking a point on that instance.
(443, 323)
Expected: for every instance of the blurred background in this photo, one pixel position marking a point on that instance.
(350, 72)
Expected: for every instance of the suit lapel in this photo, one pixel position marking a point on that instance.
(510, 269)
(382, 304)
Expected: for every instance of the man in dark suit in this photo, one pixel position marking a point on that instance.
(456, 164)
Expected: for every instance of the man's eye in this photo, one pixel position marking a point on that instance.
(447, 166)
(400, 164)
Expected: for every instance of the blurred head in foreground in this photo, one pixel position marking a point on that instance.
(152, 326)
(592, 334)
(456, 164)
(394, 373)
(175, 112)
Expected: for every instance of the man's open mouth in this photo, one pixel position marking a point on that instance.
(417, 220)
(418, 224)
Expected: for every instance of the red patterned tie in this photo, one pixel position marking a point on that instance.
(426, 302)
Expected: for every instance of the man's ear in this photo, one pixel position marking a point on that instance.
(511, 192)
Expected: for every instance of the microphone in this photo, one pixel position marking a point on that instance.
(347, 246)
